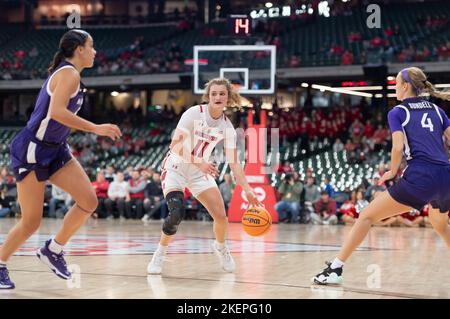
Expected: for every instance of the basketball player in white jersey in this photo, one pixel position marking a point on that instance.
(187, 164)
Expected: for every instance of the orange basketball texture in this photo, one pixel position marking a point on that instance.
(256, 221)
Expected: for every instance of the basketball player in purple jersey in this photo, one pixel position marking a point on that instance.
(417, 128)
(39, 152)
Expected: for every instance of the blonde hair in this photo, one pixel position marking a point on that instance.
(418, 80)
(234, 98)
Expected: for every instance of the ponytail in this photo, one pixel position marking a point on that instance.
(57, 59)
(429, 88)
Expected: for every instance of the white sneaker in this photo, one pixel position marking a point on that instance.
(145, 218)
(226, 260)
(155, 265)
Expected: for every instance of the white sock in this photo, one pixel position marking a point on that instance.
(220, 245)
(2, 263)
(337, 263)
(162, 248)
(55, 247)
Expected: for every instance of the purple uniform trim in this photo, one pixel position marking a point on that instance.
(41, 146)
(427, 177)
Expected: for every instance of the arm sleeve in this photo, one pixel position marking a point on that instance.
(396, 116)
(445, 120)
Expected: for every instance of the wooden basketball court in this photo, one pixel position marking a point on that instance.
(110, 260)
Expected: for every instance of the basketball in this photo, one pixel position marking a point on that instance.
(256, 221)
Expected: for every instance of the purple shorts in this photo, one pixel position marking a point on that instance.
(424, 183)
(29, 154)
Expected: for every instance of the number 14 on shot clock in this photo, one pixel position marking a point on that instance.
(239, 24)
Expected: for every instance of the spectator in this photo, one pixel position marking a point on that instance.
(6, 177)
(294, 61)
(109, 173)
(154, 199)
(412, 218)
(361, 202)
(328, 187)
(290, 190)
(5, 207)
(348, 210)
(136, 189)
(336, 49)
(338, 146)
(101, 186)
(59, 203)
(128, 172)
(325, 210)
(374, 187)
(286, 168)
(312, 195)
(226, 189)
(117, 195)
(347, 58)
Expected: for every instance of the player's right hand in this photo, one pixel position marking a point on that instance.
(110, 130)
(386, 177)
(253, 200)
(209, 168)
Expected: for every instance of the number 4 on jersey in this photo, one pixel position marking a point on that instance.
(426, 122)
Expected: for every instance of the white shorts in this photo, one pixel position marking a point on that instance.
(177, 175)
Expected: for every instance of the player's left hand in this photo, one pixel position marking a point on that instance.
(386, 177)
(252, 200)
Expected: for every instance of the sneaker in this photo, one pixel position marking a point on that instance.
(56, 262)
(5, 281)
(226, 260)
(155, 265)
(329, 276)
(145, 218)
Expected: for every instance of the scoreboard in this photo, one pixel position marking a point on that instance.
(239, 25)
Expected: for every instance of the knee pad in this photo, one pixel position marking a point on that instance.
(175, 203)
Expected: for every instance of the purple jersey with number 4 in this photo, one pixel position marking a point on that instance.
(426, 180)
(423, 124)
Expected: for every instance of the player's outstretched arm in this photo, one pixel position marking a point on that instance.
(239, 174)
(67, 81)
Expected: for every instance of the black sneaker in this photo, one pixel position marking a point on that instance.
(329, 276)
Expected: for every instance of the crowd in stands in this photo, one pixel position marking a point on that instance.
(142, 56)
(306, 202)
(136, 193)
(343, 128)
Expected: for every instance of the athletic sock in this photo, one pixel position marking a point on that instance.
(55, 247)
(220, 245)
(162, 248)
(337, 263)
